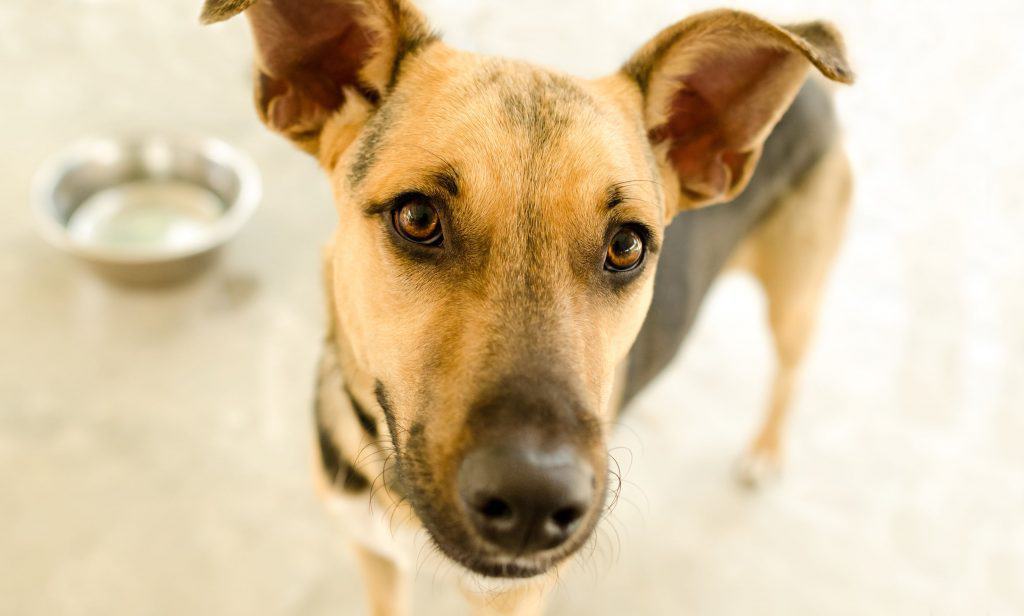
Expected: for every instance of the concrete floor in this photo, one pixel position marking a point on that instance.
(153, 445)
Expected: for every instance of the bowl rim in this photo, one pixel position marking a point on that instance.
(237, 212)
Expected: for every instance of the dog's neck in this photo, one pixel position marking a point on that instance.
(353, 425)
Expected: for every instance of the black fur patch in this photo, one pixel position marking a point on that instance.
(640, 67)
(337, 469)
(616, 196)
(373, 136)
(408, 46)
(546, 107)
(381, 121)
(448, 180)
(365, 419)
(389, 414)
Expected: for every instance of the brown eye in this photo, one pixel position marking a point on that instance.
(625, 252)
(418, 221)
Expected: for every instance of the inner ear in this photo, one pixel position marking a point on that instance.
(296, 90)
(308, 53)
(314, 54)
(714, 119)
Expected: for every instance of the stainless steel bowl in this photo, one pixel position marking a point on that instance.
(149, 209)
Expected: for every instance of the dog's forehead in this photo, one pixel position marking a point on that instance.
(512, 132)
(543, 105)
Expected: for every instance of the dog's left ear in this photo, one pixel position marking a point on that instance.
(313, 56)
(715, 85)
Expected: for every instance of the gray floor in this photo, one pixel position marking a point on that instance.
(153, 446)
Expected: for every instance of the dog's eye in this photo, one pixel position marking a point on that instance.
(418, 221)
(625, 251)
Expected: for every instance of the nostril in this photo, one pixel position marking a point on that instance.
(566, 516)
(495, 509)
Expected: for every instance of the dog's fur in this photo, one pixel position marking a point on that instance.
(532, 171)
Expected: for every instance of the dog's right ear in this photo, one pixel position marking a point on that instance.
(314, 56)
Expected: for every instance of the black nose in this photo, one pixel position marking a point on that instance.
(523, 498)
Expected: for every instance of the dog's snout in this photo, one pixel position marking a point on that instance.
(522, 498)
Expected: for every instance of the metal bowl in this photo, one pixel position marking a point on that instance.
(149, 209)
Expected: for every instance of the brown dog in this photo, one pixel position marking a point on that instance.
(491, 283)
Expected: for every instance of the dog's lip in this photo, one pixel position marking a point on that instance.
(495, 564)
(517, 567)
(488, 562)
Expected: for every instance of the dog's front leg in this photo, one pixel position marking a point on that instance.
(387, 584)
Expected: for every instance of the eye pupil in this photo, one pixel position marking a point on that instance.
(418, 222)
(625, 250)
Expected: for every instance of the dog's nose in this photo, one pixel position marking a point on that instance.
(525, 499)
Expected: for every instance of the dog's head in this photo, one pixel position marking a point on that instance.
(499, 228)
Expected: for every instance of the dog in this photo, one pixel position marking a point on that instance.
(491, 285)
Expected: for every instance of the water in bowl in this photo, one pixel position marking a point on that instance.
(157, 215)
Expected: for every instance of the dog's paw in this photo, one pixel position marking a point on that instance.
(757, 467)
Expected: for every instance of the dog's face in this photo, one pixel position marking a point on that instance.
(499, 229)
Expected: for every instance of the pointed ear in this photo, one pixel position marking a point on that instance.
(315, 56)
(715, 85)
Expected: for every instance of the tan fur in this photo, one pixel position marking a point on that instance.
(535, 152)
(525, 599)
(386, 584)
(791, 254)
